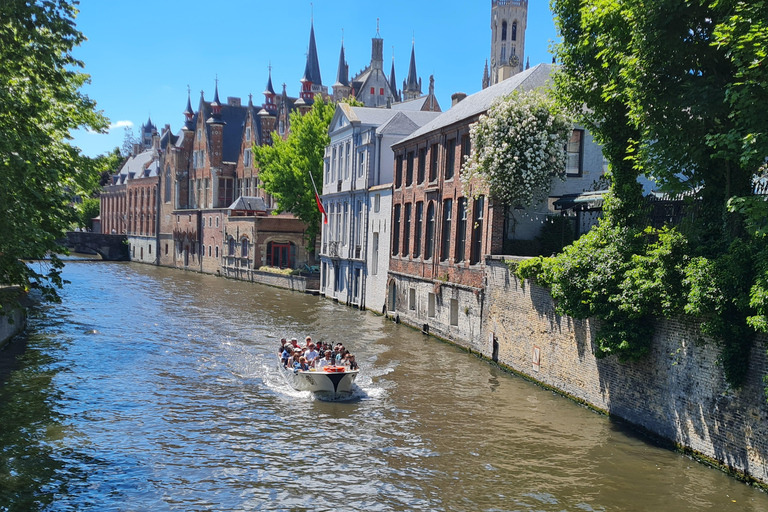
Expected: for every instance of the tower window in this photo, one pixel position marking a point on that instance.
(514, 31)
(504, 31)
(381, 91)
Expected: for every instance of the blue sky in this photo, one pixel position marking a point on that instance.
(143, 54)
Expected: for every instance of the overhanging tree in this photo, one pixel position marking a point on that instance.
(285, 167)
(40, 103)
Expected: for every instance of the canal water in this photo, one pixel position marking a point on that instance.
(152, 389)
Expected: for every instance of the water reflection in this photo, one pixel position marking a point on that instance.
(152, 389)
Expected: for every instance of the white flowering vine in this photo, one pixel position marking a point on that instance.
(517, 148)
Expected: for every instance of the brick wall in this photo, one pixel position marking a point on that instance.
(678, 392)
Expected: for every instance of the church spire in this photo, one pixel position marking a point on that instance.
(216, 107)
(486, 76)
(312, 69)
(392, 79)
(189, 114)
(342, 75)
(412, 85)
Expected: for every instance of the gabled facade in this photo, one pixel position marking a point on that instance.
(357, 160)
(440, 237)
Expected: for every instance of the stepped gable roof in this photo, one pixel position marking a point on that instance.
(312, 69)
(249, 203)
(530, 79)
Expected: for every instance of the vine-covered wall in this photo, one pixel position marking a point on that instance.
(678, 391)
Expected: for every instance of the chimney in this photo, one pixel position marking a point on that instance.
(233, 102)
(457, 97)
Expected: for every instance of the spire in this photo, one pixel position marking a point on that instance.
(392, 79)
(412, 85)
(216, 107)
(270, 90)
(312, 69)
(528, 63)
(189, 114)
(342, 76)
(377, 50)
(486, 76)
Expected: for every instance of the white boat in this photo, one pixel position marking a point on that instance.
(335, 381)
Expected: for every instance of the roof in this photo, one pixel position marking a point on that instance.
(234, 120)
(405, 122)
(412, 82)
(249, 203)
(312, 69)
(480, 102)
(142, 165)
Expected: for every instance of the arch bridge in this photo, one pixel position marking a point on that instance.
(109, 247)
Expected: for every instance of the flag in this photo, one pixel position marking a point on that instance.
(320, 207)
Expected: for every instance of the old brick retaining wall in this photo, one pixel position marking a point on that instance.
(677, 392)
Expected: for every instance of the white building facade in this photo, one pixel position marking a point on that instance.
(354, 245)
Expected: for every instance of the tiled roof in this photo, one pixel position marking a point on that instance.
(530, 79)
(247, 203)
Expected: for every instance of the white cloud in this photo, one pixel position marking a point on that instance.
(121, 124)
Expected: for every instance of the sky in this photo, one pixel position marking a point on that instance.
(142, 55)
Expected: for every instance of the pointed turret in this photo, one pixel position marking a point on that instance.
(393, 80)
(527, 63)
(189, 114)
(412, 85)
(311, 82)
(341, 88)
(486, 76)
(269, 96)
(216, 108)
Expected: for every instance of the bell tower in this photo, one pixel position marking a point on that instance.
(509, 19)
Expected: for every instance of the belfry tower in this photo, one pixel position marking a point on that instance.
(509, 19)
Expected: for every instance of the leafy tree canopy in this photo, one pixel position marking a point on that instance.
(40, 103)
(285, 167)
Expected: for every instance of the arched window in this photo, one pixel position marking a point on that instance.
(231, 246)
(514, 31)
(244, 248)
(429, 248)
(504, 31)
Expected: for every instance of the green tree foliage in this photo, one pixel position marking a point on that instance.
(40, 102)
(286, 165)
(517, 148)
(669, 88)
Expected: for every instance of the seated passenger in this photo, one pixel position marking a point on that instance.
(352, 364)
(311, 354)
(324, 361)
(303, 365)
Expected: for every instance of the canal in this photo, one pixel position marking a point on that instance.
(157, 389)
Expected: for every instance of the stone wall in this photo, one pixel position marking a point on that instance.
(295, 283)
(678, 392)
(16, 320)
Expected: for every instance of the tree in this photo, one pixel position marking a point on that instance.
(517, 148)
(40, 103)
(129, 140)
(285, 166)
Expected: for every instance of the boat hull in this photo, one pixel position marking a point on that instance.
(330, 383)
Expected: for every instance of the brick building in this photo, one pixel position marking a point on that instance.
(440, 237)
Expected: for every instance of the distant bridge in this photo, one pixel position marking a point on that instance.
(109, 247)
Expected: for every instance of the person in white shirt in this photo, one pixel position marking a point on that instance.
(311, 354)
(326, 360)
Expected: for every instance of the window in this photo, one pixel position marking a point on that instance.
(504, 54)
(461, 230)
(231, 246)
(209, 251)
(217, 222)
(433, 156)
(445, 246)
(514, 31)
(217, 251)
(477, 232)
(429, 248)
(376, 203)
(345, 219)
(466, 148)
(166, 249)
(247, 158)
(450, 158)
(422, 166)
(407, 230)
(575, 151)
(373, 91)
(398, 171)
(396, 230)
(168, 184)
(226, 192)
(431, 305)
(503, 30)
(333, 164)
(412, 299)
(361, 163)
(244, 248)
(202, 252)
(375, 260)
(418, 227)
(358, 220)
(347, 162)
(409, 169)
(247, 133)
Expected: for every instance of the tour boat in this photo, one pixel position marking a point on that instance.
(336, 381)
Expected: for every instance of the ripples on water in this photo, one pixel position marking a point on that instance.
(154, 389)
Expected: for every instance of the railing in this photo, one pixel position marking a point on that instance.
(494, 3)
